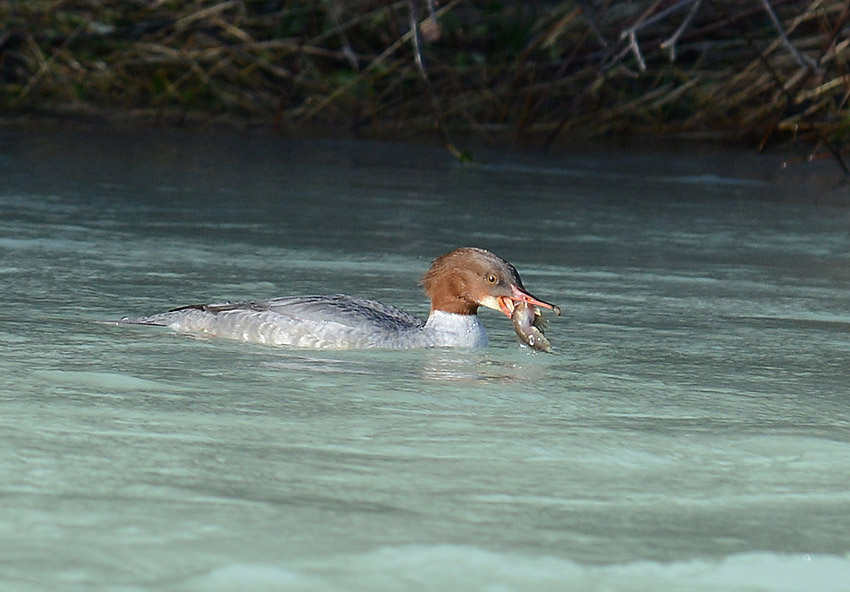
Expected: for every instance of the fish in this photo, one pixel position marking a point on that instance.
(529, 324)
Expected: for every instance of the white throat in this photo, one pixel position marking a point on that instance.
(458, 330)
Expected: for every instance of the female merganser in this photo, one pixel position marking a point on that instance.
(457, 284)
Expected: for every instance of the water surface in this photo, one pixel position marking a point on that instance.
(690, 432)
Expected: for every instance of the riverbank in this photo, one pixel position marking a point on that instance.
(763, 72)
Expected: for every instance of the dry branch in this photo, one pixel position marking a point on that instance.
(768, 69)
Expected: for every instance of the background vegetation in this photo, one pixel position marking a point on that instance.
(759, 70)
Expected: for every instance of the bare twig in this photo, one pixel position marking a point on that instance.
(380, 59)
(670, 43)
(645, 20)
(588, 16)
(635, 49)
(353, 21)
(334, 10)
(207, 12)
(805, 61)
(45, 63)
(423, 71)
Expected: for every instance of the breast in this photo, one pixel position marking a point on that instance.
(447, 329)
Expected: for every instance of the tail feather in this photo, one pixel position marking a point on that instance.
(128, 321)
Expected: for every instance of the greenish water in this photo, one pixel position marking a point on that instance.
(690, 432)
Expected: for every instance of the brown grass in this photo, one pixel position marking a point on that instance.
(587, 68)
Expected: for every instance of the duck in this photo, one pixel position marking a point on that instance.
(457, 283)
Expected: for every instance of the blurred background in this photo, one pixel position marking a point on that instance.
(765, 72)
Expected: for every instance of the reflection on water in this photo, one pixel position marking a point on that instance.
(688, 432)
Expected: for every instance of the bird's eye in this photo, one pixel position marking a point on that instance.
(492, 278)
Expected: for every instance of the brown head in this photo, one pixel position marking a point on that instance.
(461, 281)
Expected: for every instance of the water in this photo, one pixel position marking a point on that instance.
(690, 432)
